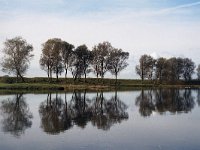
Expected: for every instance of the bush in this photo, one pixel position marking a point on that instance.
(7, 79)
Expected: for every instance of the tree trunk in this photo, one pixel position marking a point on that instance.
(56, 76)
(20, 76)
(65, 73)
(85, 77)
(116, 79)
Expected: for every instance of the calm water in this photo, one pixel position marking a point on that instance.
(166, 119)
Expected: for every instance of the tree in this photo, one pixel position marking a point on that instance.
(67, 50)
(17, 56)
(51, 60)
(160, 68)
(188, 68)
(117, 61)
(101, 54)
(57, 63)
(146, 67)
(198, 72)
(95, 63)
(174, 69)
(81, 62)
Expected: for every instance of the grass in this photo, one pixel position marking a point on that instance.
(92, 84)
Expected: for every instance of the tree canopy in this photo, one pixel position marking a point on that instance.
(17, 56)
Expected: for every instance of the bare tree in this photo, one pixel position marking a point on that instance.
(117, 61)
(17, 56)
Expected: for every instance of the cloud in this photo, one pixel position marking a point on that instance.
(164, 38)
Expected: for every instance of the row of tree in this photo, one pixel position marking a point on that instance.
(59, 56)
(164, 69)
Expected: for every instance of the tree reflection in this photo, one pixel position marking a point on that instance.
(16, 115)
(54, 115)
(108, 112)
(58, 116)
(165, 100)
(198, 97)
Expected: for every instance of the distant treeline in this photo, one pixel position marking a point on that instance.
(59, 56)
(163, 69)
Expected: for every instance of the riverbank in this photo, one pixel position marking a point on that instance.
(92, 84)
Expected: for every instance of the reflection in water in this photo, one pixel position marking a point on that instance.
(54, 115)
(57, 116)
(198, 97)
(163, 100)
(108, 112)
(16, 115)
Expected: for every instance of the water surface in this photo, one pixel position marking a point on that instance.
(142, 119)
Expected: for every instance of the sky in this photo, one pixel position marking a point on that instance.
(160, 28)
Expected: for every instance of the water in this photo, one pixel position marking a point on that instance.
(143, 120)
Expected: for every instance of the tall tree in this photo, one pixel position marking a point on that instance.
(101, 54)
(174, 68)
(67, 50)
(46, 58)
(57, 63)
(117, 61)
(17, 56)
(160, 68)
(95, 63)
(83, 60)
(51, 60)
(146, 67)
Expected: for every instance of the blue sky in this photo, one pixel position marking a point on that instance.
(156, 27)
(93, 6)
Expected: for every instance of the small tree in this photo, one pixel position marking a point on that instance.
(117, 61)
(17, 56)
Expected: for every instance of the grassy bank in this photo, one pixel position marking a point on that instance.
(35, 84)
